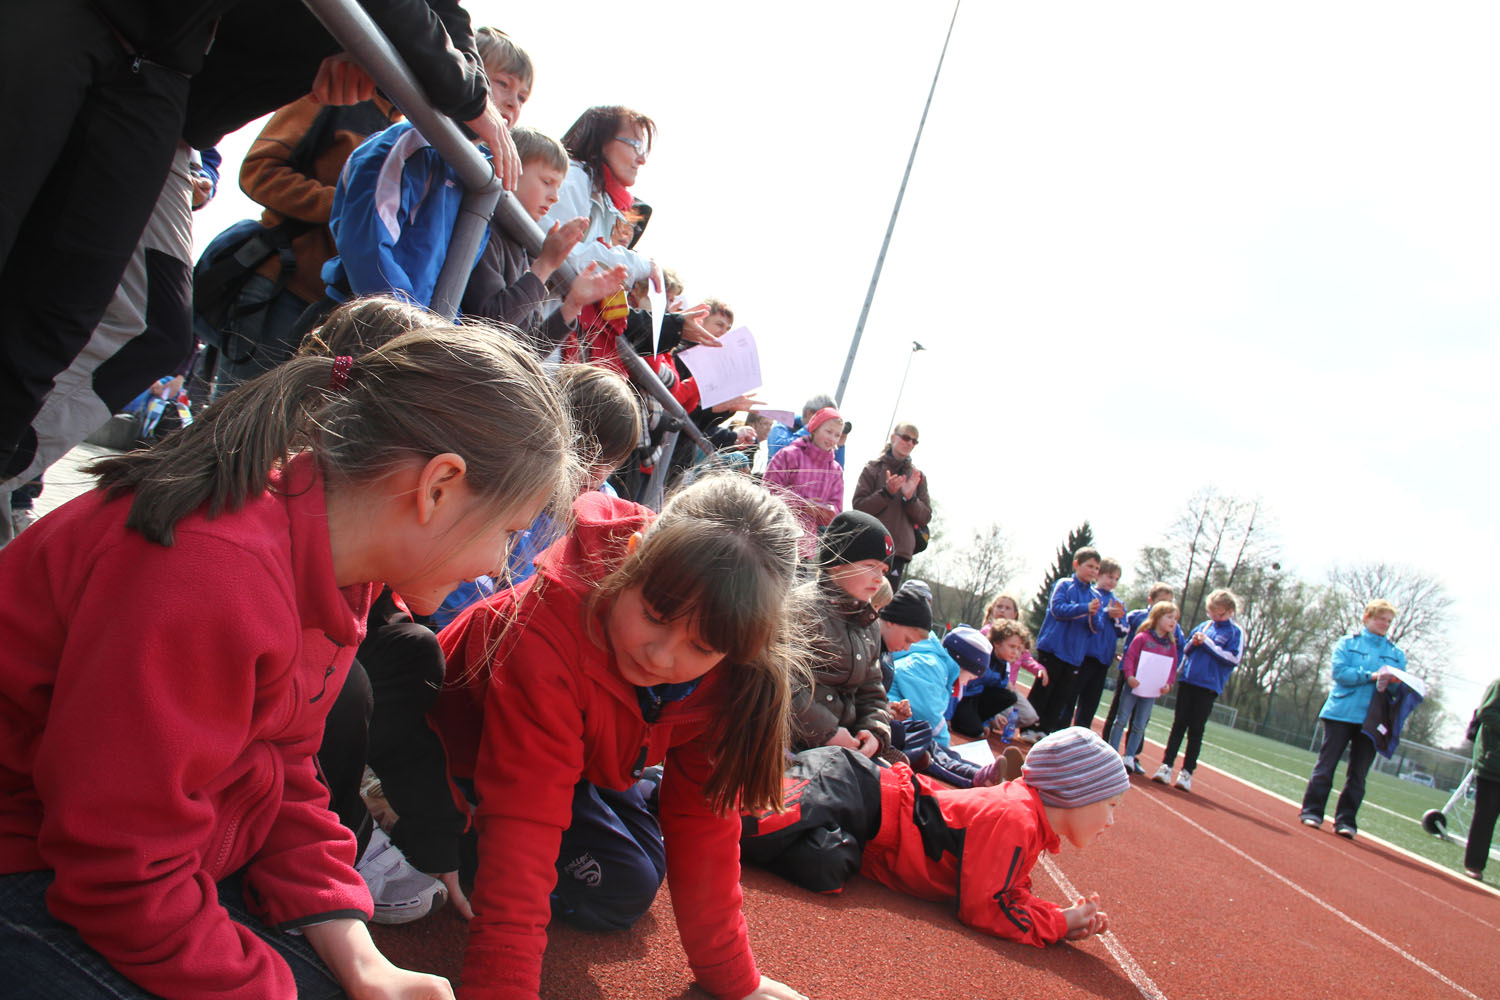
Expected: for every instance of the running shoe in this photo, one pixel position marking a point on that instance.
(1308, 820)
(1163, 774)
(1185, 780)
(1345, 830)
(401, 893)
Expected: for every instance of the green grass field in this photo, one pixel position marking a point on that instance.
(1392, 809)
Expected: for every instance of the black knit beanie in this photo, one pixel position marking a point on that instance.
(852, 537)
(908, 607)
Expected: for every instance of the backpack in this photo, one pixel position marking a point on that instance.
(231, 259)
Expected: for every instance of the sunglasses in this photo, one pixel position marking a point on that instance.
(641, 149)
(909, 439)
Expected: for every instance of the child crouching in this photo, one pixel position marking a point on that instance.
(975, 845)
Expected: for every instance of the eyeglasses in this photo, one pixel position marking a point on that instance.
(641, 149)
(909, 439)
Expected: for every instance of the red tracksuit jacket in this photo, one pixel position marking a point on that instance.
(989, 840)
(533, 704)
(160, 709)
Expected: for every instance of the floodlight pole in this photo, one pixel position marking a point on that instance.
(859, 328)
(915, 347)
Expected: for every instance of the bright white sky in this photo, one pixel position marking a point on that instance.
(1147, 247)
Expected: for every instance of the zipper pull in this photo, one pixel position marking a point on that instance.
(135, 64)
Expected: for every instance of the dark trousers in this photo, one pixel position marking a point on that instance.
(898, 567)
(1091, 676)
(1482, 829)
(973, 711)
(91, 146)
(1057, 694)
(1194, 704)
(46, 959)
(612, 860)
(344, 751)
(1337, 736)
(380, 719)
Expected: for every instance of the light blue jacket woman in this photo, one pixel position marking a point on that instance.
(1356, 659)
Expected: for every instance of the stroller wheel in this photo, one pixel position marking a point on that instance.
(1435, 823)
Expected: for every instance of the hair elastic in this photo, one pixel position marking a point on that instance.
(343, 366)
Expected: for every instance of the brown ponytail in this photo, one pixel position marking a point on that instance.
(439, 388)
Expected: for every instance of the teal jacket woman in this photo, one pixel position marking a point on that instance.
(1356, 659)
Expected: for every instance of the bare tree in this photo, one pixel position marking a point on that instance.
(975, 570)
(1214, 538)
(1424, 609)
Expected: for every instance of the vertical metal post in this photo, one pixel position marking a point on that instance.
(859, 328)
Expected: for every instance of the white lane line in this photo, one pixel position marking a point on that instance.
(1289, 774)
(1156, 800)
(1128, 964)
(1382, 870)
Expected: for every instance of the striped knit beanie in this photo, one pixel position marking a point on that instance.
(1074, 767)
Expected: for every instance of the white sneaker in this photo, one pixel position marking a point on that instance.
(401, 893)
(1129, 763)
(1185, 780)
(1163, 774)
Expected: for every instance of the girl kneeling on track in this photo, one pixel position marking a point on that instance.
(640, 639)
(174, 639)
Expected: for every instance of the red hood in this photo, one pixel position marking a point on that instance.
(595, 542)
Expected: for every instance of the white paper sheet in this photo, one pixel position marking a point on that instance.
(1410, 680)
(1152, 670)
(978, 752)
(726, 371)
(785, 418)
(658, 302)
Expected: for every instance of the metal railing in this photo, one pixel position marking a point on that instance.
(484, 200)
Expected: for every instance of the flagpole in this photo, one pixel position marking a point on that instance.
(885, 245)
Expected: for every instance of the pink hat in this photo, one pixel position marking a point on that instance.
(822, 417)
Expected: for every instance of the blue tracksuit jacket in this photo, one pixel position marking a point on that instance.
(1066, 633)
(1208, 665)
(393, 215)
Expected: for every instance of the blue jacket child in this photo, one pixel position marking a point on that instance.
(925, 676)
(1208, 665)
(1107, 631)
(1066, 631)
(392, 218)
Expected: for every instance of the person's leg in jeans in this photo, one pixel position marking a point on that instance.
(611, 862)
(1127, 704)
(1336, 736)
(1139, 715)
(1202, 704)
(1482, 827)
(48, 960)
(1361, 756)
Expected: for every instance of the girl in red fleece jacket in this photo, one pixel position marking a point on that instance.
(640, 639)
(174, 638)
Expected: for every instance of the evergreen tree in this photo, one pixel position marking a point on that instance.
(1080, 537)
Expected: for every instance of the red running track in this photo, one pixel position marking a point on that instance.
(1217, 893)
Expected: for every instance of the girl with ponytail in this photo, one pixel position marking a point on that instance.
(641, 640)
(174, 639)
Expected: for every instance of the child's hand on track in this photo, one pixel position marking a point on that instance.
(770, 989)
